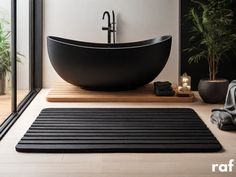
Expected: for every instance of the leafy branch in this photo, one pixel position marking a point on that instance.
(5, 47)
(213, 33)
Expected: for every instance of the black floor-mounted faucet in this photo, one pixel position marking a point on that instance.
(110, 27)
(114, 26)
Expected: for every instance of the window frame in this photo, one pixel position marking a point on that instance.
(35, 53)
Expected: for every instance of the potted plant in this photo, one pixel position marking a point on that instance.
(212, 36)
(5, 60)
(5, 57)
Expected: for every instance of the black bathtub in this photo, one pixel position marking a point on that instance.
(109, 67)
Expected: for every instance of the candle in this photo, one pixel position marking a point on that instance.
(185, 79)
(180, 88)
(185, 83)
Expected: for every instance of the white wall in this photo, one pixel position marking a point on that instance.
(137, 20)
(22, 38)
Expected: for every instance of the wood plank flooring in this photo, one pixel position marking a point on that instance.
(14, 164)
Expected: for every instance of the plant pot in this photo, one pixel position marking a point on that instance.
(213, 91)
(2, 84)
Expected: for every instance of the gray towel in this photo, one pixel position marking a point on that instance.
(225, 118)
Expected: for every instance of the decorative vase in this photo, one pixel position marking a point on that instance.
(213, 91)
(2, 83)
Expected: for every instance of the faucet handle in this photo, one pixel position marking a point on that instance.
(105, 28)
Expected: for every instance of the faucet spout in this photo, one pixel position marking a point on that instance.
(104, 13)
(114, 26)
(108, 15)
(109, 27)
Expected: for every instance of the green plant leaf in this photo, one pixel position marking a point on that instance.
(5, 58)
(213, 32)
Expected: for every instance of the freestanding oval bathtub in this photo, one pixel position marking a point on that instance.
(109, 67)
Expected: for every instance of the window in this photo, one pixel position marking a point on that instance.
(23, 80)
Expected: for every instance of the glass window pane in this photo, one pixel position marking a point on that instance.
(23, 71)
(5, 61)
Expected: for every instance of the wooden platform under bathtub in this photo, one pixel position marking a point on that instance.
(65, 92)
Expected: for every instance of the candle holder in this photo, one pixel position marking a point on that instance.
(184, 84)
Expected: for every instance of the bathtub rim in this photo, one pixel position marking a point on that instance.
(106, 46)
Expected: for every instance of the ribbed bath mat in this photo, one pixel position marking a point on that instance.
(135, 130)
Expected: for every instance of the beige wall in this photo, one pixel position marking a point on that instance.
(137, 20)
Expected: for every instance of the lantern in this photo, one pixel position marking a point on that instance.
(184, 83)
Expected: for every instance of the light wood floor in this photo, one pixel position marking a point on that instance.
(65, 92)
(14, 164)
(5, 107)
(5, 103)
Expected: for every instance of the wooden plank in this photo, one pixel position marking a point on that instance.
(65, 92)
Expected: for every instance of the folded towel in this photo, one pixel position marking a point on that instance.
(163, 89)
(162, 85)
(225, 118)
(165, 93)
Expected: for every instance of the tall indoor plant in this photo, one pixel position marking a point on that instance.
(5, 60)
(212, 36)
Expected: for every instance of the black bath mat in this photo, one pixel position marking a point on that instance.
(118, 130)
